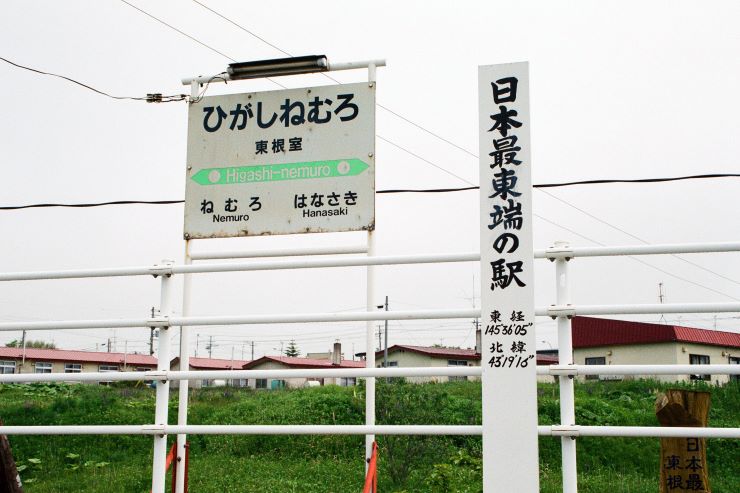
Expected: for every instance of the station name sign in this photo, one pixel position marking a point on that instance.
(281, 162)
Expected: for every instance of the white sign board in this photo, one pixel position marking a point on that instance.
(281, 162)
(509, 357)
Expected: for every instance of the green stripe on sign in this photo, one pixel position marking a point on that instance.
(280, 172)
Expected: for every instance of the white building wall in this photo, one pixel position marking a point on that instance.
(666, 353)
(410, 359)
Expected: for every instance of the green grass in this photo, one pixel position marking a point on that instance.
(111, 464)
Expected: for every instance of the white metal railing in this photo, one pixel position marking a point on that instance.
(562, 310)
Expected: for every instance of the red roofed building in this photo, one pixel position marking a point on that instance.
(601, 341)
(32, 360)
(293, 363)
(211, 364)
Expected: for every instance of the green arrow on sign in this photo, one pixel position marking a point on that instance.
(280, 172)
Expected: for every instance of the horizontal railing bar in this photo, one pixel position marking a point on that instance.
(289, 252)
(636, 309)
(552, 252)
(638, 431)
(551, 311)
(639, 370)
(608, 251)
(311, 263)
(327, 317)
(242, 374)
(117, 323)
(552, 430)
(243, 430)
(76, 273)
(445, 371)
(315, 263)
(78, 430)
(243, 319)
(326, 429)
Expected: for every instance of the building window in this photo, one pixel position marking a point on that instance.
(277, 384)
(392, 363)
(734, 360)
(42, 367)
(7, 367)
(347, 382)
(457, 362)
(699, 359)
(107, 368)
(72, 368)
(261, 383)
(597, 360)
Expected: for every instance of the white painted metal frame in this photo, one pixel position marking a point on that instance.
(565, 370)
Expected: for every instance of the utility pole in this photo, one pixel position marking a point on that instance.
(151, 337)
(252, 342)
(380, 335)
(23, 345)
(108, 345)
(385, 350)
(660, 298)
(197, 343)
(210, 347)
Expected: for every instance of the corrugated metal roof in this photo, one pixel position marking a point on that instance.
(304, 362)
(592, 332)
(434, 352)
(78, 356)
(217, 364)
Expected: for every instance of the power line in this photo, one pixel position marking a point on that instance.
(150, 98)
(178, 30)
(388, 191)
(425, 160)
(639, 260)
(698, 266)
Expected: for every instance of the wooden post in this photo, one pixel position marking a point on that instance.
(10, 480)
(683, 460)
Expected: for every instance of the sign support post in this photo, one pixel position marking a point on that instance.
(508, 350)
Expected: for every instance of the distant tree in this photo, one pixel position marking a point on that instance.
(32, 344)
(292, 349)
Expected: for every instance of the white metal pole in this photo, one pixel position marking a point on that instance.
(369, 327)
(567, 391)
(370, 353)
(163, 388)
(182, 403)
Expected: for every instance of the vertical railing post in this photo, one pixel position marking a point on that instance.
(182, 402)
(370, 354)
(159, 466)
(567, 391)
(370, 329)
(184, 385)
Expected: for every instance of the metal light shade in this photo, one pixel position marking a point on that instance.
(278, 66)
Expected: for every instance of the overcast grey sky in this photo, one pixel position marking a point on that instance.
(622, 89)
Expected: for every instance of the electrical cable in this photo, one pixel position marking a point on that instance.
(641, 240)
(151, 98)
(639, 260)
(389, 191)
